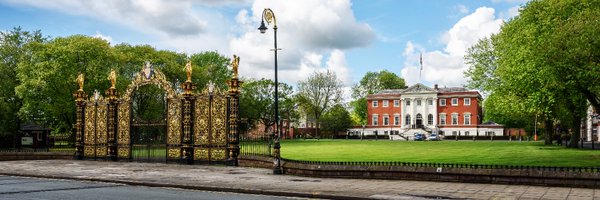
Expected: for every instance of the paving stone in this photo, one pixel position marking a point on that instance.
(258, 179)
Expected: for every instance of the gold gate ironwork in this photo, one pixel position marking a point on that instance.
(201, 128)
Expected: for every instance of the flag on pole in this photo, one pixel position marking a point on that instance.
(420, 62)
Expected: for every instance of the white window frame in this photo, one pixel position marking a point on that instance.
(467, 101)
(396, 120)
(407, 119)
(467, 122)
(374, 104)
(442, 102)
(386, 120)
(385, 103)
(396, 103)
(407, 102)
(443, 119)
(375, 120)
(418, 102)
(430, 119)
(430, 102)
(452, 102)
(454, 116)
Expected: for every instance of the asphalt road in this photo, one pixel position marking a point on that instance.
(12, 187)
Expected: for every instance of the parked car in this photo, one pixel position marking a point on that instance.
(419, 137)
(433, 137)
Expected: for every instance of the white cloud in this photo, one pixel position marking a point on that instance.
(510, 1)
(337, 64)
(186, 26)
(469, 29)
(446, 67)
(104, 37)
(162, 16)
(510, 13)
(309, 31)
(462, 9)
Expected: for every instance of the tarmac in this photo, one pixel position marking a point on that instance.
(263, 181)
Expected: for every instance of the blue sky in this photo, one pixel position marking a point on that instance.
(348, 37)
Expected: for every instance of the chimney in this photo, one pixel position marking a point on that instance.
(435, 86)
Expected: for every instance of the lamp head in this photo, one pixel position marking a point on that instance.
(262, 27)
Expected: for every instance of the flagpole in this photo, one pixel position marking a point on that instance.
(421, 69)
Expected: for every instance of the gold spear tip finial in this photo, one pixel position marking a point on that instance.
(80, 79)
(112, 77)
(234, 65)
(188, 70)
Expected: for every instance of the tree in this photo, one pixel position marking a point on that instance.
(482, 63)
(47, 79)
(14, 48)
(547, 59)
(257, 104)
(336, 119)
(211, 66)
(372, 83)
(319, 93)
(130, 60)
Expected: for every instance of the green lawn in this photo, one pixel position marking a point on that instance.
(463, 152)
(155, 153)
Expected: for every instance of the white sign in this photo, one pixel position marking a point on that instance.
(26, 140)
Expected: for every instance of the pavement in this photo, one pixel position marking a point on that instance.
(263, 181)
(28, 188)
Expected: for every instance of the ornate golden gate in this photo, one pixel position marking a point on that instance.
(201, 128)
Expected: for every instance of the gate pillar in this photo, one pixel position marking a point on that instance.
(233, 136)
(80, 97)
(111, 122)
(187, 147)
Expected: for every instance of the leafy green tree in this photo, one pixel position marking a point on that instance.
(130, 60)
(257, 102)
(372, 83)
(211, 66)
(336, 119)
(47, 79)
(317, 94)
(14, 48)
(546, 59)
(482, 62)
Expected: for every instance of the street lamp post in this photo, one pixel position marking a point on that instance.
(269, 16)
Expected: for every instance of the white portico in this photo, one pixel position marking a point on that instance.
(419, 107)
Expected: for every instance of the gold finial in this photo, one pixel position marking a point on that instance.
(269, 16)
(80, 79)
(234, 64)
(188, 71)
(112, 77)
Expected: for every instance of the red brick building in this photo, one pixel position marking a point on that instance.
(447, 111)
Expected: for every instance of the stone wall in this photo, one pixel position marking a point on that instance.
(424, 173)
(6, 156)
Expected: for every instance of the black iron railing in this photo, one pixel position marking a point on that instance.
(449, 165)
(54, 143)
(256, 145)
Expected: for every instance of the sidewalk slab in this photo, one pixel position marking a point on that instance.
(262, 181)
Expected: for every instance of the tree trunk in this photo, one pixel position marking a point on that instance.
(576, 132)
(548, 132)
(317, 129)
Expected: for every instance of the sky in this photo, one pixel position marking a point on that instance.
(350, 38)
